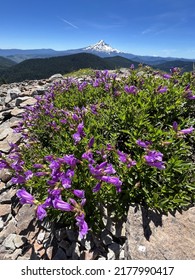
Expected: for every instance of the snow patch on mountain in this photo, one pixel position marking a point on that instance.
(101, 46)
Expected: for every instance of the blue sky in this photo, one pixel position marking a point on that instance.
(143, 27)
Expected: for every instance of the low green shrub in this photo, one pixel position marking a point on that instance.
(113, 141)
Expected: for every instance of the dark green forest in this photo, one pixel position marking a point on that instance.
(43, 68)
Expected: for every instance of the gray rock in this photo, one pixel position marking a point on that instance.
(25, 101)
(17, 112)
(5, 130)
(2, 186)
(8, 243)
(5, 209)
(55, 77)
(6, 197)
(154, 236)
(19, 240)
(25, 218)
(5, 176)
(14, 255)
(12, 94)
(9, 229)
(5, 144)
(38, 90)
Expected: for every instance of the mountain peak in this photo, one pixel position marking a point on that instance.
(101, 46)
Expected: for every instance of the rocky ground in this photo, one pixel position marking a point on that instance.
(144, 234)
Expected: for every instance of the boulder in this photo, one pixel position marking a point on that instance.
(153, 236)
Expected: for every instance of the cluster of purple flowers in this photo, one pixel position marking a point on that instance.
(102, 173)
(131, 89)
(152, 158)
(54, 200)
(125, 158)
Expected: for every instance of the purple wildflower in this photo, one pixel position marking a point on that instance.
(77, 137)
(17, 165)
(51, 183)
(175, 126)
(48, 158)
(59, 204)
(113, 180)
(83, 201)
(82, 86)
(109, 169)
(131, 163)
(25, 197)
(3, 164)
(54, 165)
(190, 95)
(41, 212)
(28, 174)
(187, 87)
(174, 70)
(130, 89)
(91, 142)
(96, 83)
(93, 109)
(80, 129)
(66, 182)
(63, 121)
(132, 67)
(143, 144)
(53, 194)
(73, 202)
(162, 89)
(83, 227)
(70, 160)
(40, 173)
(69, 173)
(109, 147)
(154, 159)
(88, 156)
(97, 187)
(167, 76)
(122, 156)
(79, 193)
(95, 171)
(18, 180)
(79, 134)
(186, 131)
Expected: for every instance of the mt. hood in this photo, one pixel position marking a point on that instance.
(101, 46)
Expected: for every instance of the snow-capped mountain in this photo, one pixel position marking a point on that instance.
(101, 46)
